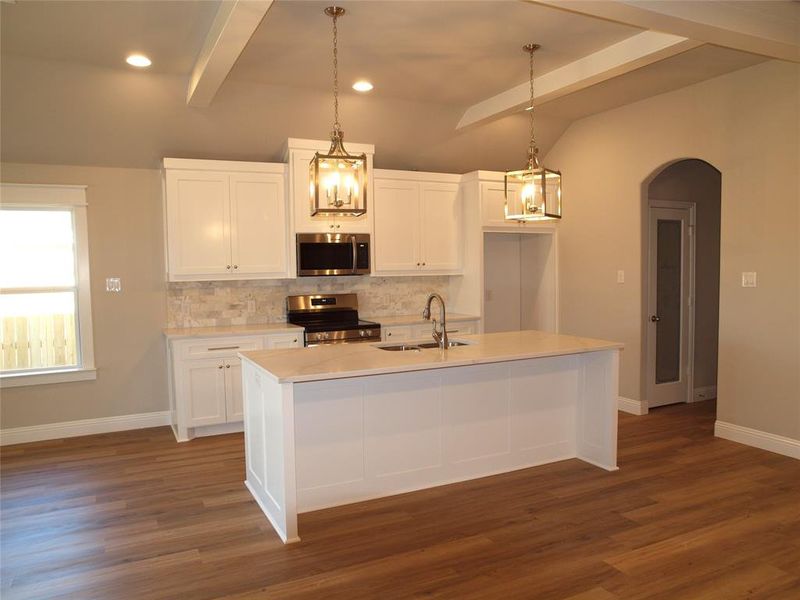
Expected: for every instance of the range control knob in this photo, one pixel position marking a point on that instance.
(362, 333)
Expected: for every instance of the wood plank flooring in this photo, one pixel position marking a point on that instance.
(135, 515)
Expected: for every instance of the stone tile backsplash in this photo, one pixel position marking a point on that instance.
(221, 303)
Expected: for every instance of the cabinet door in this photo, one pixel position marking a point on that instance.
(398, 333)
(285, 340)
(441, 227)
(234, 399)
(258, 225)
(397, 231)
(198, 219)
(463, 327)
(424, 332)
(204, 390)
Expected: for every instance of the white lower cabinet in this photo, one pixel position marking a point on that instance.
(417, 331)
(206, 381)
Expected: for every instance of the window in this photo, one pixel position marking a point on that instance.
(45, 302)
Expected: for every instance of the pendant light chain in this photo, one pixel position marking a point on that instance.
(336, 125)
(532, 150)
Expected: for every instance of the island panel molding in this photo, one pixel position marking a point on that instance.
(338, 438)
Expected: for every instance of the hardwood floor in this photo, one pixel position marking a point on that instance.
(135, 515)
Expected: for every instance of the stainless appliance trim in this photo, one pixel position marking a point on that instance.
(321, 302)
(332, 238)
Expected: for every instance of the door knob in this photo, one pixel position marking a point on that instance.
(655, 318)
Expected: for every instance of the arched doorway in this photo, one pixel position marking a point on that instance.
(681, 243)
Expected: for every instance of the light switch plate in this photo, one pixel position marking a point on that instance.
(749, 279)
(620, 276)
(113, 284)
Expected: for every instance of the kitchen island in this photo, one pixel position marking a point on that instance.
(337, 424)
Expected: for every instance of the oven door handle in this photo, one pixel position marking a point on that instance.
(355, 253)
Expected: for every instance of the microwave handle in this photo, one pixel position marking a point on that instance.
(355, 252)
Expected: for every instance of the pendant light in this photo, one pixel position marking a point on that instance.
(532, 193)
(337, 179)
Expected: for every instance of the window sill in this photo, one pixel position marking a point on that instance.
(9, 380)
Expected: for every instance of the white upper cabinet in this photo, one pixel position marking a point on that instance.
(225, 220)
(198, 217)
(418, 227)
(299, 154)
(441, 227)
(258, 224)
(397, 226)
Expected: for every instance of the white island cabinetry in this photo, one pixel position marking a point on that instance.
(338, 424)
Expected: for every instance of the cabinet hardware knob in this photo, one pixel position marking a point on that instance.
(228, 267)
(337, 227)
(227, 366)
(655, 318)
(235, 266)
(423, 264)
(331, 226)
(294, 341)
(219, 367)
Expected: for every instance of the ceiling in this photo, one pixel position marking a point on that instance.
(67, 97)
(103, 33)
(451, 52)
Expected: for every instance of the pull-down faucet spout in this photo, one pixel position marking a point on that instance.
(440, 335)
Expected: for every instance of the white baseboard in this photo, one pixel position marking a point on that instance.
(219, 429)
(759, 439)
(708, 392)
(66, 429)
(634, 407)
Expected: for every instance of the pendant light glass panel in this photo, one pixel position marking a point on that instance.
(533, 194)
(338, 183)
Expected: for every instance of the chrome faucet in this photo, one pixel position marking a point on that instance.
(440, 335)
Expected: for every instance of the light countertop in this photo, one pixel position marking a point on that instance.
(176, 333)
(416, 319)
(339, 361)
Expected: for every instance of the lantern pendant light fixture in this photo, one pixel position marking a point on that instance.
(337, 179)
(532, 193)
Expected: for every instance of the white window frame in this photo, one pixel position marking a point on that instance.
(72, 197)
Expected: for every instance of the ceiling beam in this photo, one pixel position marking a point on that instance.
(233, 26)
(767, 29)
(632, 53)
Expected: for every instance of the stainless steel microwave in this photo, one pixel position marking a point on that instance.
(321, 254)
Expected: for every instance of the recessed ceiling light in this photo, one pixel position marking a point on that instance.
(138, 60)
(362, 86)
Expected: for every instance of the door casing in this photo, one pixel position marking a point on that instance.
(687, 362)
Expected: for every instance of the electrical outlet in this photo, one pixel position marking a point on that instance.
(749, 279)
(113, 284)
(620, 276)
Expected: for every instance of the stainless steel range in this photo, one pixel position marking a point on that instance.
(330, 319)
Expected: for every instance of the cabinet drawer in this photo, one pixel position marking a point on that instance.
(219, 347)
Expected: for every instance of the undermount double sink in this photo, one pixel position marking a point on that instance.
(409, 347)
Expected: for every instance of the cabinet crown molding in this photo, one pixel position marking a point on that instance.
(324, 146)
(235, 166)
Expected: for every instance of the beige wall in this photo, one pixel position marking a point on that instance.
(125, 240)
(747, 125)
(697, 182)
